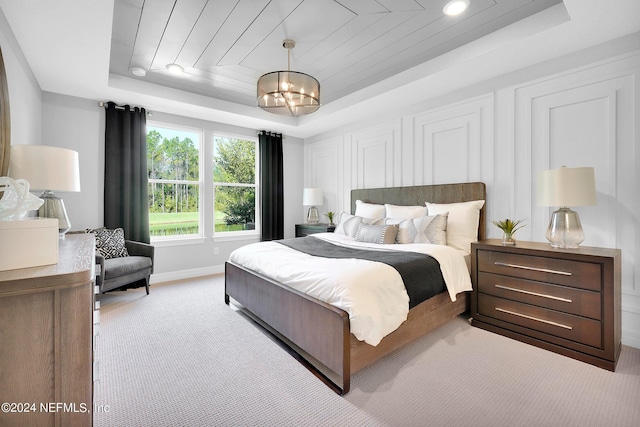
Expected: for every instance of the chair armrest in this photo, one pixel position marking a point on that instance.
(141, 249)
(100, 262)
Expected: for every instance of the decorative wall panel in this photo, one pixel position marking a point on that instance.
(448, 142)
(586, 116)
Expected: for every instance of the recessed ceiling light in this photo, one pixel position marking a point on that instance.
(455, 7)
(138, 71)
(175, 68)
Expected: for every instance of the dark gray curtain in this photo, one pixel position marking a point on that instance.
(125, 171)
(271, 186)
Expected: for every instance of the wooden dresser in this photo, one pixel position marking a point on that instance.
(46, 339)
(564, 300)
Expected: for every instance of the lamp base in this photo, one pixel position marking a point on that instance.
(565, 230)
(312, 216)
(53, 207)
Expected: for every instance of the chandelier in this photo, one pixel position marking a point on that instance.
(288, 93)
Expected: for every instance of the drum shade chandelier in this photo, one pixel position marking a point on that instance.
(288, 93)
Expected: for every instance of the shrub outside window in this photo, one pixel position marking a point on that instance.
(235, 166)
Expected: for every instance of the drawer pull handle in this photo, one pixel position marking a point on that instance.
(560, 325)
(534, 293)
(524, 267)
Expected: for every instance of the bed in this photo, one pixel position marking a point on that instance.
(319, 334)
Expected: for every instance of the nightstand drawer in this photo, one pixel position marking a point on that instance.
(556, 297)
(582, 275)
(574, 328)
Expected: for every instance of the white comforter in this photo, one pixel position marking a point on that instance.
(372, 293)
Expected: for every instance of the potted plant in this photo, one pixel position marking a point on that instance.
(330, 216)
(509, 227)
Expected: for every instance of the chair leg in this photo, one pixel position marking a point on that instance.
(146, 282)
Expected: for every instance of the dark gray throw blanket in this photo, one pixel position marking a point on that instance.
(420, 273)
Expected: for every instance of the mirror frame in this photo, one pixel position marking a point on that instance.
(5, 121)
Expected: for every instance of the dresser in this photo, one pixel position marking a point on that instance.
(303, 230)
(46, 339)
(564, 300)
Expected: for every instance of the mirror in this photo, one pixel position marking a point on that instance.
(5, 122)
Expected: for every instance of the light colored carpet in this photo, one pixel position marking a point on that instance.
(181, 357)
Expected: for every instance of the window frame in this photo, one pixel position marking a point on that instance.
(194, 237)
(239, 234)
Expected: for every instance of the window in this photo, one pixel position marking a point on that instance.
(235, 184)
(173, 159)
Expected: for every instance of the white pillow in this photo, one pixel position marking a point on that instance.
(462, 223)
(404, 212)
(369, 210)
(426, 229)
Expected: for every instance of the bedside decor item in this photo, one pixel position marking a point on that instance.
(288, 93)
(49, 169)
(312, 197)
(15, 199)
(509, 228)
(566, 187)
(330, 215)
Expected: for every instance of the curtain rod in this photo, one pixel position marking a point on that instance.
(260, 132)
(121, 107)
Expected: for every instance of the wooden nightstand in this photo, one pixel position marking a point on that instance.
(306, 229)
(564, 300)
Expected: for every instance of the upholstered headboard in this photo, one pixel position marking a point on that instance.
(418, 195)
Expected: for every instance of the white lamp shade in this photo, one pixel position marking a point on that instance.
(567, 187)
(312, 197)
(45, 167)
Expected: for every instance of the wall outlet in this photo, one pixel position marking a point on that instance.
(216, 250)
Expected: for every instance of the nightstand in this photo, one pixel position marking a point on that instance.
(564, 300)
(306, 229)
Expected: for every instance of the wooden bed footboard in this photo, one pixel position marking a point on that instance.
(318, 328)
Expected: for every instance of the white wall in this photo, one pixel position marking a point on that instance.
(24, 91)
(580, 111)
(78, 124)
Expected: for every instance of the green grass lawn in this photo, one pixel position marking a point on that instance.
(167, 224)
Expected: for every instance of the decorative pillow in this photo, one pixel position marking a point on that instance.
(427, 229)
(349, 224)
(369, 210)
(462, 223)
(382, 234)
(110, 243)
(404, 212)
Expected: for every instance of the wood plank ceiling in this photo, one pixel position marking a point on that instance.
(226, 45)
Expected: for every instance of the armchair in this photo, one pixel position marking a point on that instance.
(127, 270)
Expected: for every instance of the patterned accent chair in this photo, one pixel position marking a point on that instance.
(121, 264)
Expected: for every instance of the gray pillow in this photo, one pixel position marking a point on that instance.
(349, 224)
(426, 229)
(382, 234)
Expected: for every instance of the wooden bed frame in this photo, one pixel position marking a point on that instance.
(317, 333)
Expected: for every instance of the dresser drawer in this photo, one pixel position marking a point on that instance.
(582, 275)
(568, 326)
(556, 297)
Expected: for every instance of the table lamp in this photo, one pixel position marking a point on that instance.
(312, 197)
(566, 187)
(48, 169)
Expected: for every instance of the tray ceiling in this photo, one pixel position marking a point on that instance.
(226, 45)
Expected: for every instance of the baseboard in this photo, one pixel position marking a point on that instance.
(186, 274)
